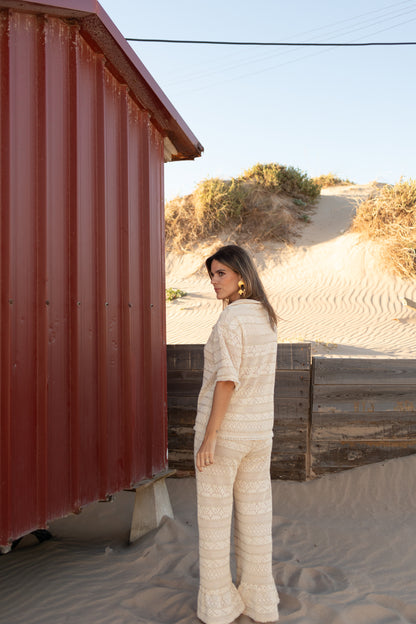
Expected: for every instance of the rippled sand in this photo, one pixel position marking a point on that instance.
(344, 553)
(328, 289)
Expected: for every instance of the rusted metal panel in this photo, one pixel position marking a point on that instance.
(101, 32)
(24, 271)
(83, 354)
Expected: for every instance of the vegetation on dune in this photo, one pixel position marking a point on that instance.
(389, 217)
(217, 202)
(174, 293)
(330, 179)
(267, 202)
(279, 179)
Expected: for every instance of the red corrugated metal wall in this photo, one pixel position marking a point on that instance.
(82, 384)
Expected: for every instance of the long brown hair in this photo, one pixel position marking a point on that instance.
(237, 259)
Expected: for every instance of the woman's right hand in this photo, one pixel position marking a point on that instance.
(205, 455)
(220, 401)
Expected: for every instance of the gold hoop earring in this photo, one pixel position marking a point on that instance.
(241, 288)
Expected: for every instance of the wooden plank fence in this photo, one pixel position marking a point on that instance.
(291, 412)
(330, 413)
(363, 411)
(293, 370)
(185, 367)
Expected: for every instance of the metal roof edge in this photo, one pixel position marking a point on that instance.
(98, 27)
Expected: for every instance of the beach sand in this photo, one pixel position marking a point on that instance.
(344, 553)
(344, 544)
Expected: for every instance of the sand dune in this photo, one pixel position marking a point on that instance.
(328, 289)
(344, 553)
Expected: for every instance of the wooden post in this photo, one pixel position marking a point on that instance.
(151, 504)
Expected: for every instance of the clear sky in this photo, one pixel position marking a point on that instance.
(350, 111)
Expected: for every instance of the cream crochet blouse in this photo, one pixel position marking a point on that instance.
(241, 348)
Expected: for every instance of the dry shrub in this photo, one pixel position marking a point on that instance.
(330, 179)
(268, 202)
(281, 179)
(215, 204)
(389, 218)
(268, 216)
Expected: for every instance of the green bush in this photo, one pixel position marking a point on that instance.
(218, 201)
(281, 179)
(174, 293)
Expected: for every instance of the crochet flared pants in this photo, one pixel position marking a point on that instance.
(239, 478)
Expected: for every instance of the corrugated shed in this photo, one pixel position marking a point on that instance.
(82, 322)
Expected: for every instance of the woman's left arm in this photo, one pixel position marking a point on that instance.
(221, 399)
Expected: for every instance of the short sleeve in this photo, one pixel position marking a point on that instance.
(228, 352)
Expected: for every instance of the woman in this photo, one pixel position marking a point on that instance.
(233, 440)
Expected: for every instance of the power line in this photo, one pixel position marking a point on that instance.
(348, 26)
(275, 43)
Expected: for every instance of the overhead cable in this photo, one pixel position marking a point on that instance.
(275, 43)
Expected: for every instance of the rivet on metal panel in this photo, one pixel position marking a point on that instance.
(11, 301)
(47, 302)
(78, 303)
(130, 305)
(106, 304)
(151, 305)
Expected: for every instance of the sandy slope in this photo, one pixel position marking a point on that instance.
(344, 553)
(328, 289)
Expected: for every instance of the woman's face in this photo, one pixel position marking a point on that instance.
(225, 281)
